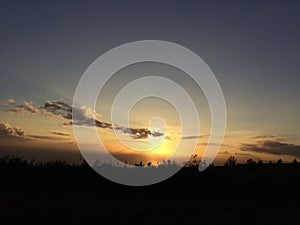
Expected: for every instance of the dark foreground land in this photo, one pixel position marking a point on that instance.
(58, 193)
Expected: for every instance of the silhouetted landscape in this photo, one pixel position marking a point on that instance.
(75, 194)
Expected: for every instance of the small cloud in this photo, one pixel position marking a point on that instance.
(194, 137)
(89, 113)
(11, 101)
(60, 133)
(224, 153)
(9, 132)
(168, 138)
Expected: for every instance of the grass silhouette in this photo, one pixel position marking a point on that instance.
(56, 192)
(20, 174)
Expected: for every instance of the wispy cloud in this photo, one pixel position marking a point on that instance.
(273, 147)
(263, 136)
(194, 137)
(224, 153)
(60, 133)
(243, 154)
(46, 137)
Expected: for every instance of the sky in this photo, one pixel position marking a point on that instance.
(252, 47)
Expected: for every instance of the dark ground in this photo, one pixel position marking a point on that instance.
(58, 193)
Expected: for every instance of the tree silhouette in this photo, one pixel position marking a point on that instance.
(260, 162)
(193, 161)
(139, 164)
(251, 162)
(231, 161)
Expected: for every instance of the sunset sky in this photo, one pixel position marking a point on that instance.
(252, 47)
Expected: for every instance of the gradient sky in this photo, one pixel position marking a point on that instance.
(251, 46)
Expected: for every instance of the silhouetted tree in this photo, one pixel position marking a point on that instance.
(260, 162)
(231, 161)
(295, 161)
(139, 164)
(251, 162)
(279, 162)
(193, 161)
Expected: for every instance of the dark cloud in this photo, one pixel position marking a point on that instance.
(139, 133)
(263, 136)
(60, 133)
(194, 137)
(87, 117)
(273, 147)
(45, 137)
(57, 108)
(25, 107)
(243, 154)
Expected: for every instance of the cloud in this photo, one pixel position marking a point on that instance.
(215, 144)
(57, 108)
(25, 107)
(243, 154)
(11, 101)
(224, 153)
(273, 147)
(89, 113)
(45, 137)
(139, 133)
(263, 136)
(84, 115)
(60, 133)
(194, 137)
(9, 132)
